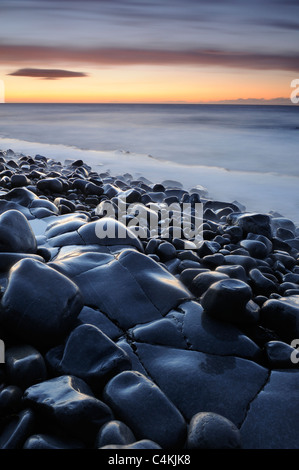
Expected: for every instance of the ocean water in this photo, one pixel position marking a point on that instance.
(244, 153)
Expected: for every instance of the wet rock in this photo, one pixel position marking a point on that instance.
(49, 442)
(17, 430)
(252, 223)
(282, 316)
(212, 431)
(202, 376)
(281, 355)
(226, 300)
(203, 281)
(24, 366)
(69, 403)
(148, 412)
(54, 300)
(260, 284)
(116, 433)
(16, 234)
(90, 355)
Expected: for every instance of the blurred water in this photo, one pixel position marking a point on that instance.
(248, 153)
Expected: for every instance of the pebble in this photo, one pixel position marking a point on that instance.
(107, 342)
(212, 431)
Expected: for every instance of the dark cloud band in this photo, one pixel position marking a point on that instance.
(12, 54)
(47, 74)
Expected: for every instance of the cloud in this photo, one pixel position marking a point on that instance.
(125, 56)
(47, 74)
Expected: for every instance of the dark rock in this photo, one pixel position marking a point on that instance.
(226, 300)
(19, 180)
(53, 185)
(233, 271)
(282, 316)
(130, 288)
(146, 409)
(202, 377)
(17, 430)
(212, 431)
(69, 403)
(246, 261)
(166, 251)
(203, 281)
(260, 284)
(10, 400)
(49, 442)
(255, 248)
(116, 433)
(281, 355)
(16, 234)
(252, 223)
(24, 366)
(98, 319)
(274, 416)
(143, 444)
(54, 301)
(90, 355)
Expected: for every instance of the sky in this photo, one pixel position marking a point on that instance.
(150, 51)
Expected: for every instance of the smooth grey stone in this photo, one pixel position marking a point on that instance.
(272, 419)
(21, 196)
(53, 185)
(10, 400)
(49, 442)
(247, 262)
(281, 355)
(19, 180)
(142, 444)
(196, 381)
(16, 234)
(146, 409)
(203, 281)
(108, 231)
(54, 300)
(282, 316)
(212, 431)
(68, 402)
(206, 334)
(255, 248)
(17, 430)
(233, 271)
(92, 356)
(45, 204)
(98, 319)
(252, 223)
(8, 260)
(129, 349)
(130, 288)
(114, 432)
(64, 226)
(24, 366)
(166, 251)
(260, 284)
(226, 300)
(165, 332)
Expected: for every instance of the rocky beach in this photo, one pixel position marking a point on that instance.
(142, 342)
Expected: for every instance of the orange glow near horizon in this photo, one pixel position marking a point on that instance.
(144, 84)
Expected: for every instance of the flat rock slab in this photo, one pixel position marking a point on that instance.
(196, 381)
(129, 288)
(272, 421)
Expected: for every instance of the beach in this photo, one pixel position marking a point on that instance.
(142, 339)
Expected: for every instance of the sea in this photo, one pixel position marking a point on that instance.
(243, 153)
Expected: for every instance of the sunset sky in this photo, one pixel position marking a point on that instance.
(148, 51)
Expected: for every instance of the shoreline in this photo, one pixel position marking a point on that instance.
(149, 330)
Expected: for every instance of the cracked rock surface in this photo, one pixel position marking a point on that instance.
(141, 341)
